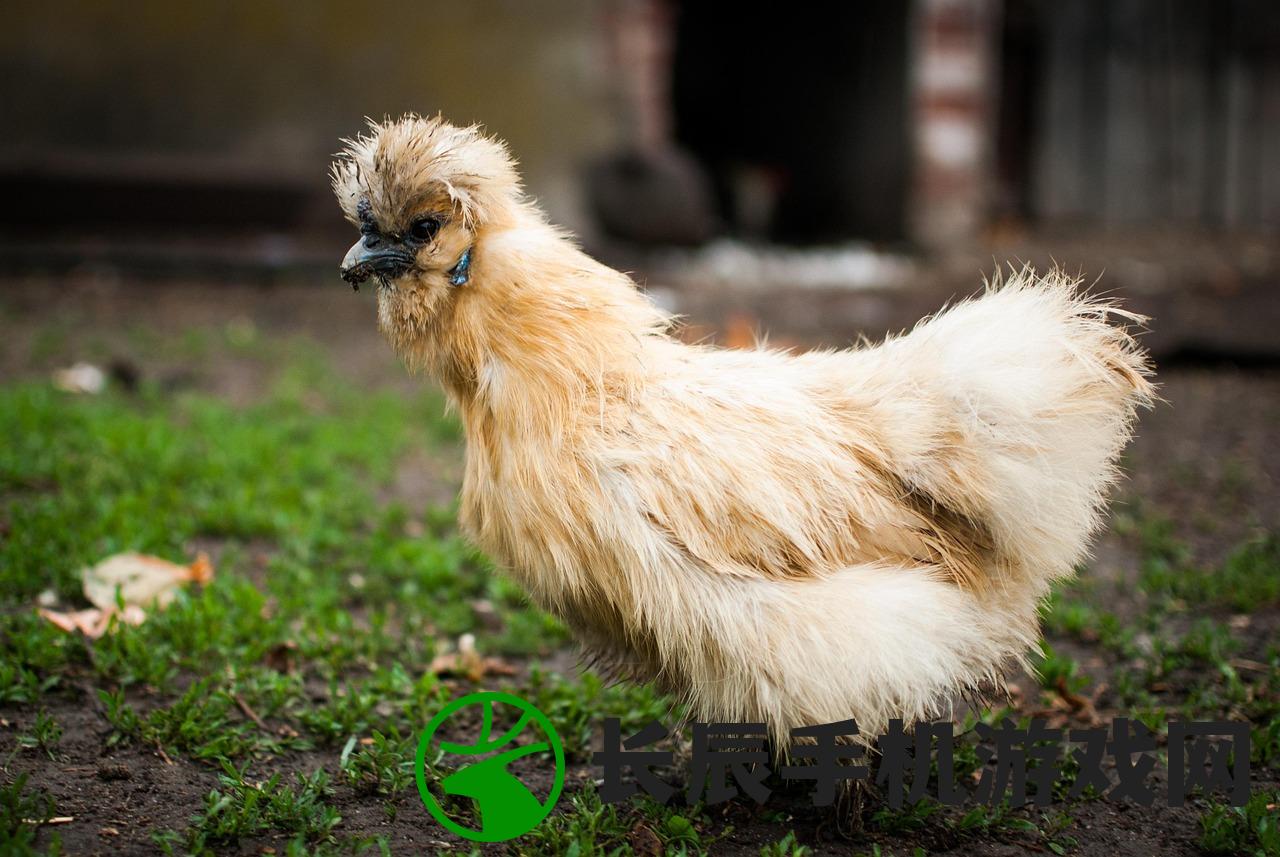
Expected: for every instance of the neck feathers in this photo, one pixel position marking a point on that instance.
(540, 331)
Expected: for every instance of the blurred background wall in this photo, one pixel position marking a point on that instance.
(203, 117)
(143, 131)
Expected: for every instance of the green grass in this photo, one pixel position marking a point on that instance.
(1248, 579)
(1252, 829)
(578, 707)
(787, 846)
(587, 826)
(240, 808)
(22, 811)
(384, 766)
(293, 477)
(45, 734)
(331, 599)
(326, 609)
(1055, 668)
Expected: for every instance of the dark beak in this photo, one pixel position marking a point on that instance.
(374, 256)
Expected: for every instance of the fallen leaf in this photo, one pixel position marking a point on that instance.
(93, 622)
(282, 657)
(1073, 699)
(644, 841)
(77, 620)
(467, 661)
(141, 580)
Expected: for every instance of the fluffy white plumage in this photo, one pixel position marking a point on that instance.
(794, 539)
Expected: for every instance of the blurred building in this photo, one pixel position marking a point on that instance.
(154, 128)
(169, 132)
(933, 119)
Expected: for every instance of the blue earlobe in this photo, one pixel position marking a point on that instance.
(461, 272)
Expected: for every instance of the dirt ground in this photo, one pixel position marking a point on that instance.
(1205, 458)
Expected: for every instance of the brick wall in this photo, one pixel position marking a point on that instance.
(953, 75)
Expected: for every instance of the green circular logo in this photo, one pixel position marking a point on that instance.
(505, 806)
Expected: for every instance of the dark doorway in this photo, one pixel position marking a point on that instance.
(800, 115)
(1021, 78)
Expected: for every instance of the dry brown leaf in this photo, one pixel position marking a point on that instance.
(93, 622)
(468, 662)
(140, 579)
(282, 657)
(1073, 699)
(1069, 707)
(76, 620)
(644, 841)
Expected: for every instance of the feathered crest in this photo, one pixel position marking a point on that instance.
(407, 165)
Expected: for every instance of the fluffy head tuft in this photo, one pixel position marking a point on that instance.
(405, 166)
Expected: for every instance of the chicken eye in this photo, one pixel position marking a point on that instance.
(424, 229)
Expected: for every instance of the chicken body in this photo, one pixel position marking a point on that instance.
(792, 539)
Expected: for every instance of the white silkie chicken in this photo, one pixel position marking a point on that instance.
(788, 538)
